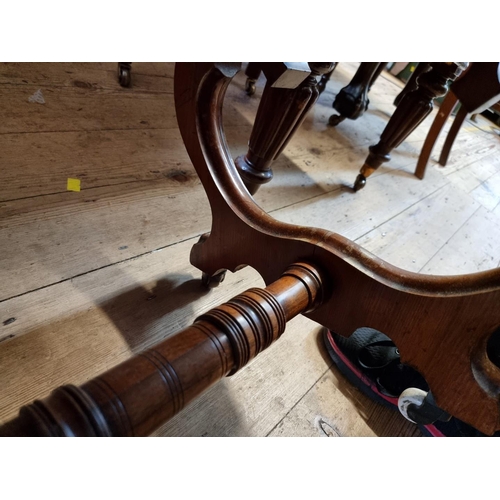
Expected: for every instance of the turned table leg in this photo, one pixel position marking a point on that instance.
(281, 111)
(352, 101)
(412, 110)
(139, 395)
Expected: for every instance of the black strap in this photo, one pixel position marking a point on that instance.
(383, 351)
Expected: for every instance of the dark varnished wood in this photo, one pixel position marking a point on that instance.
(411, 84)
(288, 95)
(352, 101)
(440, 324)
(325, 78)
(414, 107)
(137, 396)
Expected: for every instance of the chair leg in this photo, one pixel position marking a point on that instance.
(411, 111)
(411, 84)
(445, 110)
(252, 73)
(352, 101)
(280, 113)
(452, 134)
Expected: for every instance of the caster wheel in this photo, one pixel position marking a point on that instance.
(410, 396)
(250, 87)
(212, 281)
(124, 76)
(360, 182)
(335, 120)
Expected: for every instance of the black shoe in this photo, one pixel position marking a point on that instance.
(371, 362)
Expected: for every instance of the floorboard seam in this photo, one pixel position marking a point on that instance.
(99, 268)
(447, 241)
(402, 211)
(300, 399)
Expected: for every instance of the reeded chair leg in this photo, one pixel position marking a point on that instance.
(412, 110)
(445, 110)
(281, 111)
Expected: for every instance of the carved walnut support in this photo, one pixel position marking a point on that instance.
(440, 324)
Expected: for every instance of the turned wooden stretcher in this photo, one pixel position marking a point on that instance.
(441, 325)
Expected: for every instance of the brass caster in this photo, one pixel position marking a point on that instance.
(335, 120)
(124, 75)
(359, 183)
(212, 281)
(250, 87)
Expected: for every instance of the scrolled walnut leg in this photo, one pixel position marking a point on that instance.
(139, 395)
(360, 289)
(280, 113)
(412, 110)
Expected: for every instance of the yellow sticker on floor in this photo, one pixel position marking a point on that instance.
(73, 185)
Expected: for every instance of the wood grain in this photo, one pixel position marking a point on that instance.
(47, 160)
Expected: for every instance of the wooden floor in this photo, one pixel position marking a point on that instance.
(88, 278)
